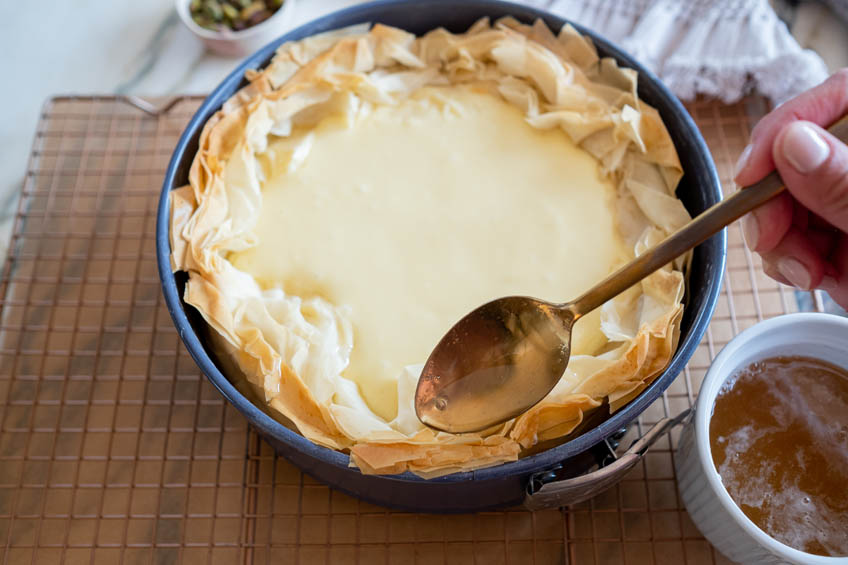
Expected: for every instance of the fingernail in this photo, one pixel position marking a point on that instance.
(743, 160)
(828, 284)
(804, 148)
(751, 231)
(793, 271)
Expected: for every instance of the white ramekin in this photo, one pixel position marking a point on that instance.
(244, 42)
(712, 510)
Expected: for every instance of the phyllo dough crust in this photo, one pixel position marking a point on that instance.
(292, 350)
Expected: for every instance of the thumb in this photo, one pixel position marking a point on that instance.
(814, 166)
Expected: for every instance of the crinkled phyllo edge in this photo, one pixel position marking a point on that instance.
(293, 350)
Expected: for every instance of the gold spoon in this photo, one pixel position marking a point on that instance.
(507, 355)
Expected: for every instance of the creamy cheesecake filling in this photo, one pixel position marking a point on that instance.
(466, 203)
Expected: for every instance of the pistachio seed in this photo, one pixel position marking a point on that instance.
(235, 15)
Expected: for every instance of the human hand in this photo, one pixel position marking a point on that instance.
(802, 234)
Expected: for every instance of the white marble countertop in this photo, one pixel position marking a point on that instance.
(91, 46)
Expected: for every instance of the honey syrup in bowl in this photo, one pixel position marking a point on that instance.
(779, 440)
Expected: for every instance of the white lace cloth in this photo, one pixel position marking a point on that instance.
(719, 48)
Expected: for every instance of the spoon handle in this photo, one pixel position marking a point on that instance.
(698, 230)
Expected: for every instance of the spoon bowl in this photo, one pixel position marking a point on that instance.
(476, 375)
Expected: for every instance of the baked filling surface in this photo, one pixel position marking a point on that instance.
(368, 188)
(469, 203)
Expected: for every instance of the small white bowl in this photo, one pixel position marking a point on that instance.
(244, 42)
(712, 510)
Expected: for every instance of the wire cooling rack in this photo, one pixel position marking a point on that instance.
(114, 448)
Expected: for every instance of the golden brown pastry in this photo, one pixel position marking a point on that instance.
(368, 187)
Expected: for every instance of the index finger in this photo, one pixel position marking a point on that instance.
(821, 105)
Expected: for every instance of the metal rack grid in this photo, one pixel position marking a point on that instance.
(114, 448)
